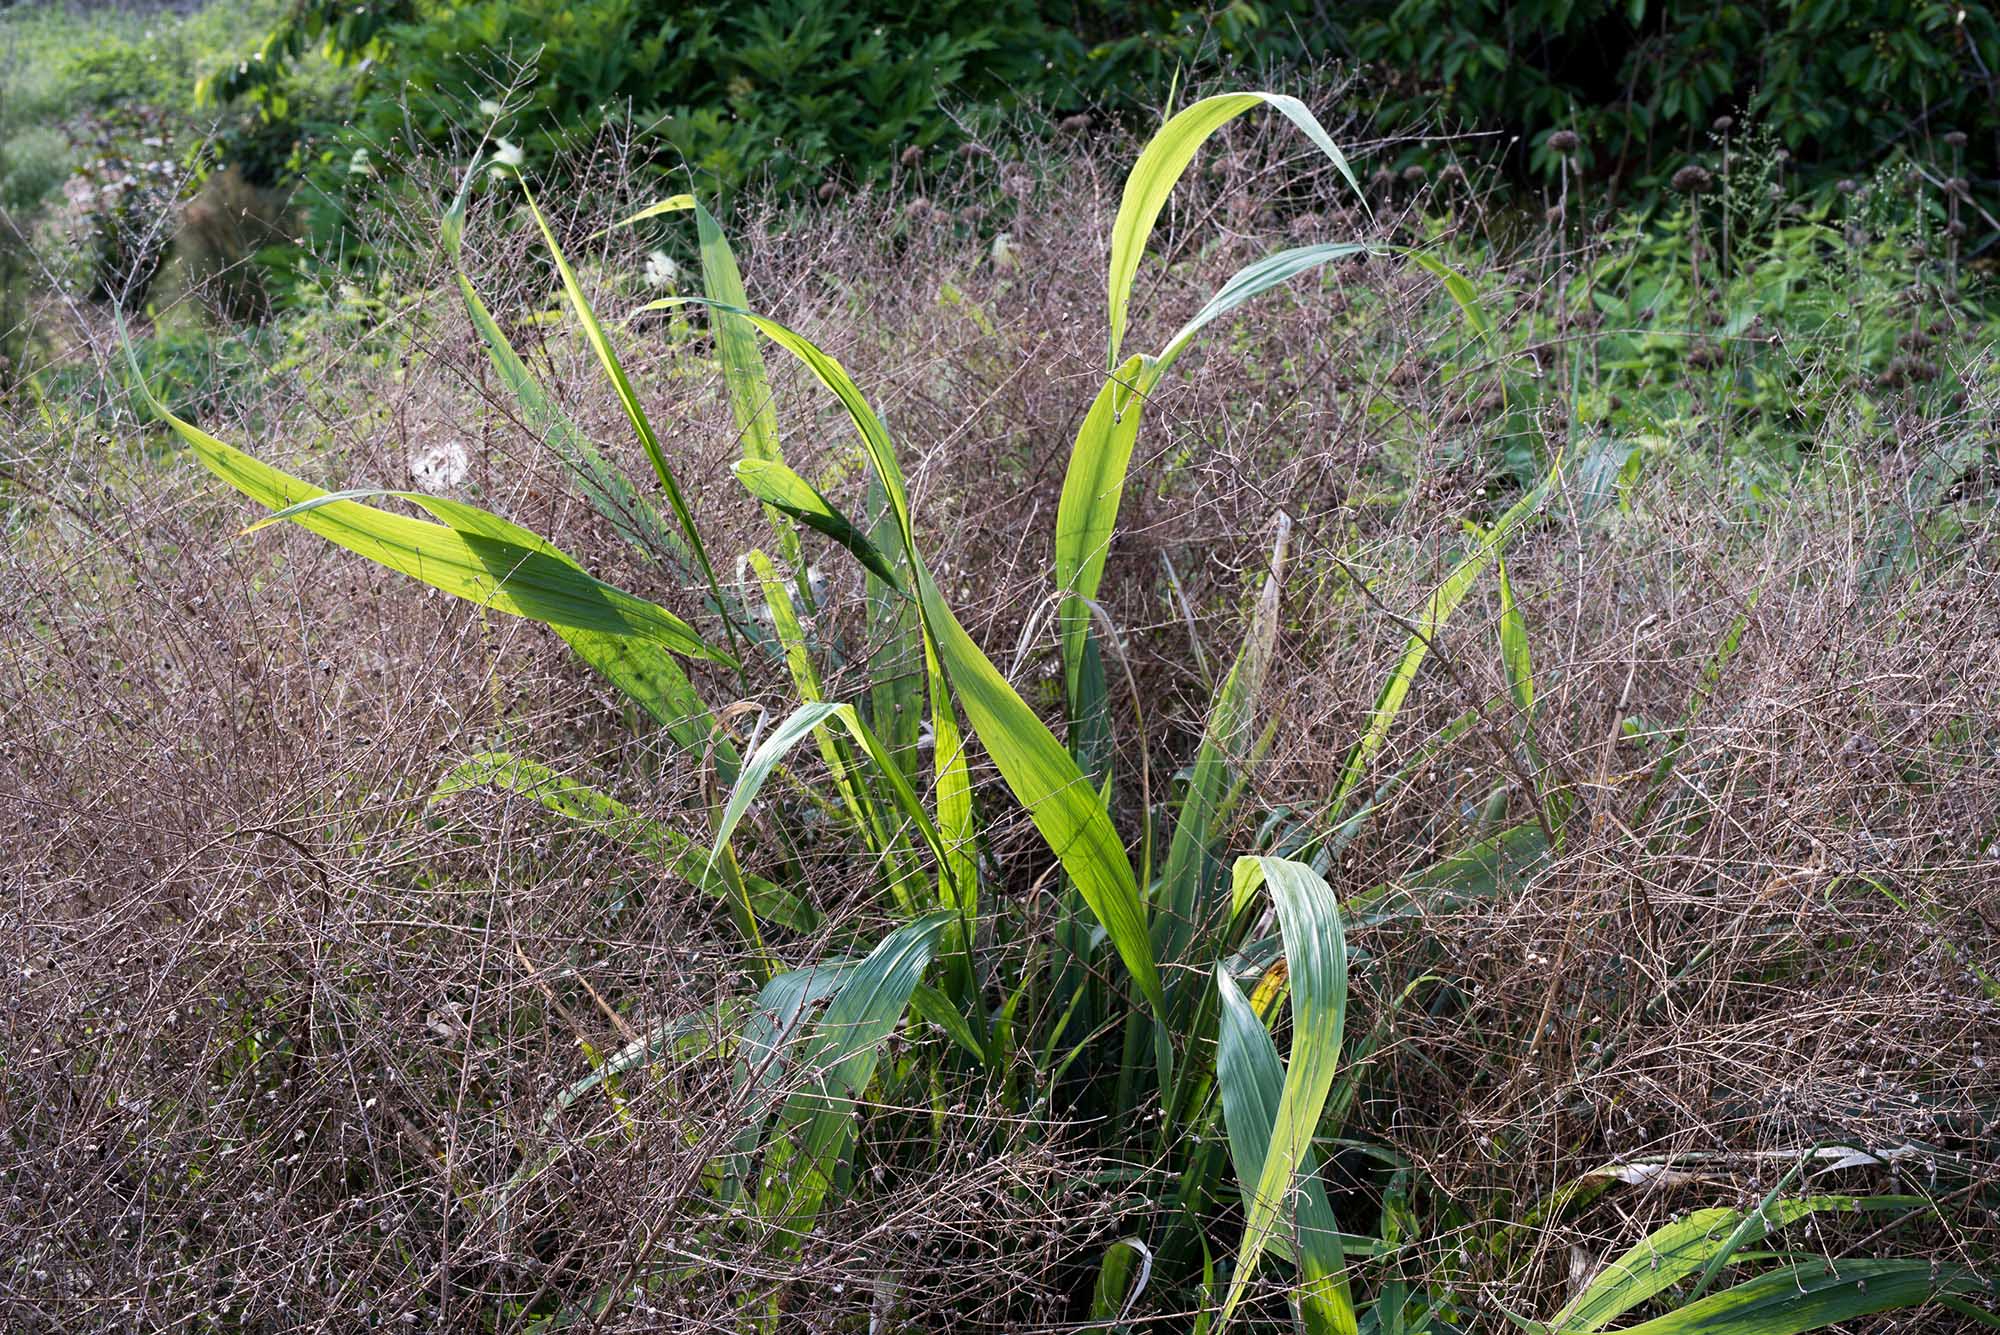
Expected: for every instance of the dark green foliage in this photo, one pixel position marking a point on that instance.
(1642, 81)
(793, 95)
(790, 94)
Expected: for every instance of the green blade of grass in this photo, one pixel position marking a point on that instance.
(1458, 287)
(800, 723)
(639, 663)
(475, 555)
(778, 486)
(686, 1037)
(635, 412)
(777, 1023)
(651, 679)
(1438, 608)
(876, 826)
(1065, 808)
(1255, 279)
(608, 490)
(604, 815)
(1251, 1080)
(1514, 654)
(524, 573)
(1316, 962)
(1671, 1254)
(1753, 1226)
(816, 1126)
(896, 688)
(1100, 457)
(927, 1003)
(1518, 662)
(1117, 1290)
(1159, 169)
(951, 790)
(1087, 514)
(1809, 1296)
(1043, 777)
(744, 375)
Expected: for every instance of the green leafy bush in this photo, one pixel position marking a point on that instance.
(789, 93)
(1642, 80)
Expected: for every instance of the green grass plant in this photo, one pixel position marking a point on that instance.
(1195, 1013)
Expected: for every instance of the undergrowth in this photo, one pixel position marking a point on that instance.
(1502, 838)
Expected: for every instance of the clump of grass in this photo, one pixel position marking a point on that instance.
(697, 1023)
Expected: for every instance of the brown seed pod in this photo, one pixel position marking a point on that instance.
(1692, 180)
(1564, 142)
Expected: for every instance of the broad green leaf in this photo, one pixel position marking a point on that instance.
(1672, 1253)
(1514, 653)
(1460, 289)
(815, 1128)
(1087, 514)
(778, 486)
(604, 815)
(1251, 1080)
(1316, 963)
(927, 1003)
(635, 412)
(1101, 456)
(1160, 167)
(801, 722)
(1118, 1289)
(1809, 1296)
(474, 555)
(530, 576)
(1065, 808)
(1253, 280)
(895, 630)
(778, 1021)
